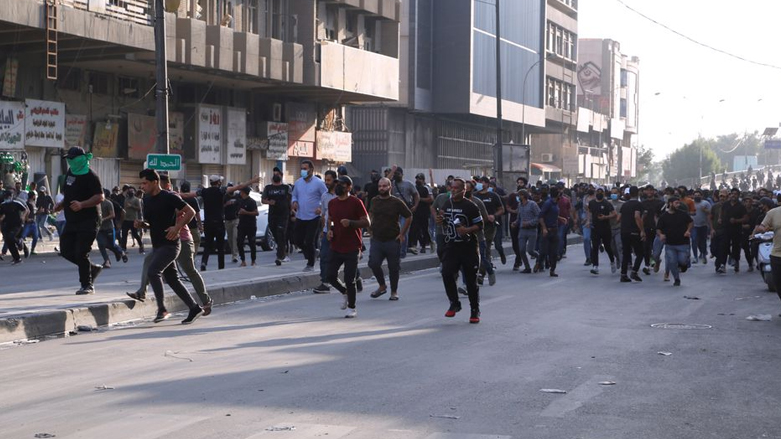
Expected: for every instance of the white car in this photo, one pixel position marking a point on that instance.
(263, 237)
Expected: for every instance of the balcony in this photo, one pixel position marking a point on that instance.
(136, 11)
(358, 71)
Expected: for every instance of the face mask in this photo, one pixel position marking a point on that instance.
(600, 197)
(519, 188)
(590, 193)
(490, 189)
(614, 197)
(276, 179)
(468, 194)
(397, 178)
(304, 173)
(479, 187)
(339, 191)
(79, 165)
(697, 199)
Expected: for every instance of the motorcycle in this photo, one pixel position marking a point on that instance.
(763, 243)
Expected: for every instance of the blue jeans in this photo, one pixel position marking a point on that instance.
(563, 232)
(405, 241)
(485, 262)
(325, 257)
(657, 250)
(700, 241)
(40, 220)
(677, 256)
(60, 225)
(587, 241)
(31, 229)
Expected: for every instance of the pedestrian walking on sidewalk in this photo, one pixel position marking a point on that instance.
(386, 214)
(162, 218)
(307, 193)
(461, 220)
(248, 226)
(346, 216)
(601, 213)
(83, 195)
(674, 230)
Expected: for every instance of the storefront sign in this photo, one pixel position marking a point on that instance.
(44, 124)
(301, 149)
(176, 133)
(301, 119)
(276, 133)
(236, 135)
(75, 130)
(334, 146)
(11, 125)
(106, 140)
(9, 82)
(141, 136)
(209, 134)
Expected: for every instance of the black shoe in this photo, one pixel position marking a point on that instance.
(193, 315)
(677, 283)
(207, 308)
(203, 267)
(516, 267)
(359, 284)
(683, 268)
(85, 291)
(96, 269)
(322, 289)
(503, 257)
(278, 262)
(137, 296)
(26, 251)
(587, 263)
(124, 257)
(553, 274)
(462, 291)
(526, 270)
(479, 280)
(161, 316)
(636, 277)
(454, 308)
(16, 262)
(647, 271)
(625, 278)
(474, 317)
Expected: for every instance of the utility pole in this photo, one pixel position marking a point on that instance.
(498, 161)
(161, 89)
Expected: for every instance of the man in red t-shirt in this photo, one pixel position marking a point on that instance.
(346, 217)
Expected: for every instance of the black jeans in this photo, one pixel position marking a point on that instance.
(127, 226)
(549, 248)
(604, 236)
(11, 240)
(306, 234)
(719, 248)
(278, 228)
(418, 232)
(162, 265)
(249, 235)
(464, 258)
(214, 232)
(380, 251)
(75, 244)
(498, 238)
(775, 269)
(350, 262)
(631, 243)
(516, 247)
(734, 243)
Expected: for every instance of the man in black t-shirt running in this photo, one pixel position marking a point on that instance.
(277, 196)
(632, 235)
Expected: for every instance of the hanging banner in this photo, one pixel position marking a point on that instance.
(11, 125)
(75, 130)
(44, 124)
(176, 133)
(141, 136)
(301, 149)
(276, 133)
(301, 119)
(334, 146)
(105, 142)
(209, 134)
(9, 82)
(236, 136)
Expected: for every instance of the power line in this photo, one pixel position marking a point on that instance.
(699, 43)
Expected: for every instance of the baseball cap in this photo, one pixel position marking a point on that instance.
(767, 202)
(214, 178)
(420, 176)
(74, 152)
(342, 170)
(345, 180)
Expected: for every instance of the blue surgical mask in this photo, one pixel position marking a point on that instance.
(614, 197)
(304, 173)
(479, 187)
(490, 189)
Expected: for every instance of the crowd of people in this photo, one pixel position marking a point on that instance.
(326, 217)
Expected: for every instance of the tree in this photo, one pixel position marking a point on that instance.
(647, 170)
(682, 166)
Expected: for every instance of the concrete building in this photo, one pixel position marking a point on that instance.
(446, 115)
(254, 83)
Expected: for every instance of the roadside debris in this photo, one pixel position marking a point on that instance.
(44, 435)
(691, 297)
(445, 416)
(607, 383)
(86, 328)
(759, 317)
(103, 387)
(553, 391)
(172, 354)
(666, 354)
(283, 428)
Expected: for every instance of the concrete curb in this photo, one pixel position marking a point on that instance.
(66, 321)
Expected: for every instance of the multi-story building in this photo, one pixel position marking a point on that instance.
(253, 83)
(608, 113)
(446, 115)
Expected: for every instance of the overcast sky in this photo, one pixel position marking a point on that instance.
(692, 80)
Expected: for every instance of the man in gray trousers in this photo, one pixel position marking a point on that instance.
(387, 236)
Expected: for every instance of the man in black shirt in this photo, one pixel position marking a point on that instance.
(418, 232)
(460, 220)
(733, 215)
(195, 225)
(674, 229)
(83, 194)
(495, 208)
(632, 235)
(247, 228)
(160, 217)
(44, 207)
(652, 208)
(12, 216)
(601, 212)
(232, 222)
(277, 196)
(371, 188)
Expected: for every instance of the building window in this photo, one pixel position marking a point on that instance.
(561, 95)
(624, 80)
(561, 42)
(623, 107)
(98, 83)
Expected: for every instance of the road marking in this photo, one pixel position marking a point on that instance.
(575, 398)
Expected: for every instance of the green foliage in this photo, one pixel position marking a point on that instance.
(684, 163)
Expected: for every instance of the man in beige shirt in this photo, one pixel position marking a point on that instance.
(772, 222)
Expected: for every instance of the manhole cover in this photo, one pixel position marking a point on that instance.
(680, 326)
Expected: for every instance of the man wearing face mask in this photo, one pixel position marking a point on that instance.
(674, 229)
(485, 262)
(615, 224)
(585, 222)
(495, 208)
(83, 195)
(405, 190)
(601, 213)
(371, 188)
(652, 208)
(325, 244)
(700, 229)
(386, 213)
(306, 202)
(277, 196)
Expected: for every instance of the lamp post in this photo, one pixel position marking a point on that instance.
(499, 160)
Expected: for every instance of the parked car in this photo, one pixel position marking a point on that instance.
(263, 236)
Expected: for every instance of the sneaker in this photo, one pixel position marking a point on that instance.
(657, 266)
(137, 296)
(613, 267)
(516, 267)
(85, 291)
(161, 316)
(595, 270)
(737, 267)
(107, 264)
(351, 313)
(16, 262)
(503, 257)
(677, 283)
(750, 268)
(704, 260)
(96, 269)
(26, 251)
(526, 270)
(454, 308)
(203, 267)
(412, 250)
(667, 277)
(124, 257)
(234, 260)
(359, 284)
(683, 268)
(480, 280)
(721, 270)
(474, 316)
(553, 274)
(587, 263)
(635, 277)
(33, 253)
(344, 301)
(646, 271)
(287, 259)
(625, 278)
(193, 315)
(492, 279)
(322, 289)
(695, 260)
(207, 308)
(462, 291)
(423, 250)
(278, 262)
(309, 268)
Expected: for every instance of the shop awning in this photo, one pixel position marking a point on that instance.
(545, 168)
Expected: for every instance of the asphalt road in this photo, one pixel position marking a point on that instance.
(402, 370)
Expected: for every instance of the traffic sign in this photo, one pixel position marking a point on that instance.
(164, 162)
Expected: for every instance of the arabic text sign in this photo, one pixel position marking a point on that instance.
(75, 129)
(209, 134)
(334, 145)
(11, 125)
(236, 135)
(164, 162)
(276, 132)
(105, 142)
(141, 136)
(44, 124)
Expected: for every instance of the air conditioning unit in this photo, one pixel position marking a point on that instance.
(547, 158)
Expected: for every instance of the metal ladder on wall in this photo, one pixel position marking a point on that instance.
(51, 39)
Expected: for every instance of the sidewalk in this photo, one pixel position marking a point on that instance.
(50, 308)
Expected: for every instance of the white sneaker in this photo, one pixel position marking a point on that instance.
(344, 304)
(287, 259)
(351, 313)
(595, 270)
(613, 267)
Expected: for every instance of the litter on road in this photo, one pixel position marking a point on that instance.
(607, 383)
(445, 416)
(172, 354)
(283, 428)
(666, 354)
(759, 317)
(553, 391)
(103, 387)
